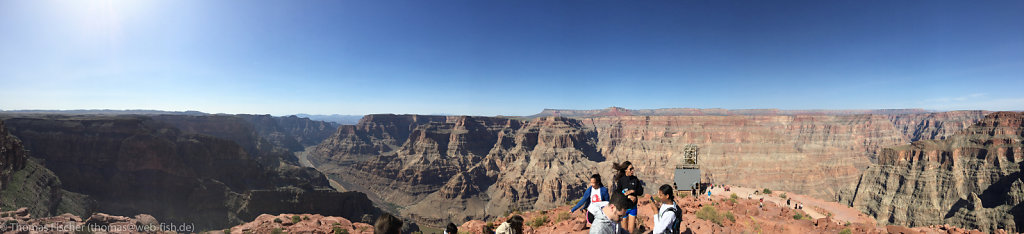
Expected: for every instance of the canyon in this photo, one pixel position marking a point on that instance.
(903, 167)
(213, 171)
(437, 169)
(970, 179)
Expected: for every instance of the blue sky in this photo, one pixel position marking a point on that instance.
(508, 57)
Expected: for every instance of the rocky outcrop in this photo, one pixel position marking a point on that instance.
(301, 223)
(20, 221)
(12, 155)
(971, 179)
(451, 168)
(212, 171)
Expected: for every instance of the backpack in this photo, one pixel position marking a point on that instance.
(674, 228)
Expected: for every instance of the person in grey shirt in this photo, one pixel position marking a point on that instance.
(607, 214)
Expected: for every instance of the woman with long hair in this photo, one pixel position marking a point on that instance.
(628, 184)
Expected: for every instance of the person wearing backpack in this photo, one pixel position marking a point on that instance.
(595, 193)
(669, 216)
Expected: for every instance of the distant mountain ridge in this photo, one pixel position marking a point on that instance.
(336, 118)
(104, 112)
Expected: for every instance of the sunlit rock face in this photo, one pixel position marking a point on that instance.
(970, 179)
(442, 168)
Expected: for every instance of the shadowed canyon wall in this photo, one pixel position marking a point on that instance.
(210, 170)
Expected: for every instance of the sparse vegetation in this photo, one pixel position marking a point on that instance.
(227, 231)
(732, 198)
(339, 230)
(305, 217)
(278, 220)
(782, 195)
(709, 213)
(845, 231)
(538, 221)
(296, 219)
(543, 212)
(489, 226)
(767, 191)
(847, 223)
(277, 231)
(562, 216)
(730, 216)
(801, 216)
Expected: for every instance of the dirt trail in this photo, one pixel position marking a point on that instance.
(814, 207)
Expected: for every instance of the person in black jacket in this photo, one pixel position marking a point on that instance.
(628, 184)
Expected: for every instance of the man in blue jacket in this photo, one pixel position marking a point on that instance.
(595, 193)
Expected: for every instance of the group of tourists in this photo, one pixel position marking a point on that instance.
(615, 212)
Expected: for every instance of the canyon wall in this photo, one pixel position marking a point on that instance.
(442, 168)
(213, 171)
(24, 183)
(970, 179)
(12, 155)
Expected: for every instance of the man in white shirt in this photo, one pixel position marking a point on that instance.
(607, 214)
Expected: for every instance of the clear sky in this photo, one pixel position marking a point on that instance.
(508, 57)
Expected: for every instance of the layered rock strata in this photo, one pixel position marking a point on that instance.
(971, 179)
(451, 168)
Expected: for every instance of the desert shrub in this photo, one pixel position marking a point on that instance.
(296, 219)
(730, 216)
(782, 195)
(227, 231)
(277, 220)
(562, 216)
(543, 212)
(733, 196)
(339, 230)
(277, 231)
(767, 191)
(709, 213)
(538, 221)
(845, 231)
(305, 217)
(798, 216)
